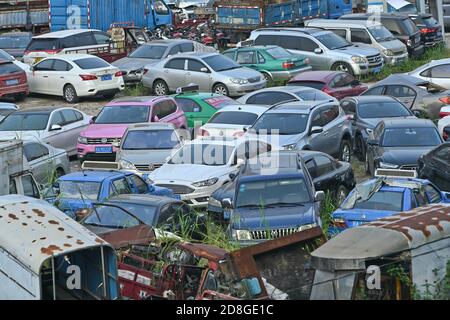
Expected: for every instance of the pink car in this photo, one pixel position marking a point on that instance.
(100, 141)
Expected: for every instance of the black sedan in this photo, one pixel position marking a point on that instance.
(366, 112)
(398, 144)
(435, 166)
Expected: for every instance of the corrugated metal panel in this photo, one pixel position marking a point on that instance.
(10, 19)
(105, 12)
(68, 14)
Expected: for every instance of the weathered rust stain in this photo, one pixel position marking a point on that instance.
(61, 229)
(79, 242)
(13, 216)
(50, 249)
(67, 245)
(98, 240)
(29, 217)
(24, 224)
(43, 238)
(53, 222)
(38, 212)
(69, 237)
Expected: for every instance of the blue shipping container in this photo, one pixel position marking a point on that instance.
(100, 14)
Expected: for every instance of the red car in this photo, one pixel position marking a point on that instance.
(336, 83)
(13, 81)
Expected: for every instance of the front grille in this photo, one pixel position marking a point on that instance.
(102, 140)
(409, 167)
(376, 59)
(146, 167)
(100, 157)
(254, 79)
(276, 233)
(177, 189)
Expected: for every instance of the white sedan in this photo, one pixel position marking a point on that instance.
(75, 75)
(203, 165)
(232, 120)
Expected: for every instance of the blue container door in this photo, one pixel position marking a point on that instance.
(337, 8)
(280, 13)
(161, 15)
(68, 14)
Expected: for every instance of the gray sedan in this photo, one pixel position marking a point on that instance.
(150, 53)
(212, 72)
(436, 71)
(421, 96)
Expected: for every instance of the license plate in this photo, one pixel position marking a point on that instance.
(12, 82)
(103, 149)
(106, 77)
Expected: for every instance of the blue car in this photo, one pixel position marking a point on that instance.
(79, 190)
(382, 197)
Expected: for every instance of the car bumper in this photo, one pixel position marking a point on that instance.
(366, 68)
(198, 198)
(416, 51)
(14, 90)
(235, 90)
(88, 152)
(288, 74)
(132, 76)
(395, 60)
(89, 88)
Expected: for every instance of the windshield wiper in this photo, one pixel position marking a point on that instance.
(254, 206)
(285, 204)
(230, 68)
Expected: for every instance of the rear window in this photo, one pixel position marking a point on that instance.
(234, 117)
(409, 26)
(149, 52)
(279, 53)
(14, 42)
(219, 102)
(430, 22)
(91, 63)
(43, 44)
(382, 200)
(313, 95)
(311, 84)
(7, 68)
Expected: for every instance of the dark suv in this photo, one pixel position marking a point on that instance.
(401, 26)
(429, 27)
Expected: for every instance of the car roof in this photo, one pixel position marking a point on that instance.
(333, 22)
(258, 47)
(398, 78)
(73, 56)
(144, 199)
(196, 94)
(151, 126)
(256, 108)
(278, 174)
(49, 109)
(91, 175)
(373, 99)
(310, 31)
(368, 15)
(320, 76)
(301, 107)
(290, 89)
(195, 54)
(63, 33)
(141, 99)
(17, 33)
(9, 106)
(167, 41)
(408, 123)
(227, 141)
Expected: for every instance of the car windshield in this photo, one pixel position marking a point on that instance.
(24, 122)
(311, 84)
(382, 110)
(203, 154)
(234, 118)
(43, 44)
(221, 63)
(91, 63)
(8, 68)
(333, 41)
(123, 114)
(14, 42)
(79, 189)
(380, 33)
(219, 102)
(261, 194)
(279, 53)
(281, 123)
(312, 95)
(148, 52)
(115, 217)
(381, 200)
(150, 140)
(411, 137)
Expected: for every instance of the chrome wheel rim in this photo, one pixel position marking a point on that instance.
(346, 153)
(70, 94)
(160, 89)
(266, 76)
(221, 90)
(342, 67)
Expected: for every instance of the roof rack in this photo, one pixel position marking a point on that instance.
(100, 165)
(395, 173)
(293, 29)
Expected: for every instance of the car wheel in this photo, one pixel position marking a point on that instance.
(342, 66)
(109, 95)
(60, 172)
(341, 194)
(267, 76)
(361, 147)
(160, 88)
(70, 94)
(221, 89)
(20, 97)
(345, 151)
(370, 167)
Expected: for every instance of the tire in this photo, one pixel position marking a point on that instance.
(345, 151)
(341, 194)
(361, 151)
(220, 88)
(342, 66)
(109, 95)
(267, 76)
(20, 97)
(60, 172)
(160, 88)
(70, 94)
(370, 167)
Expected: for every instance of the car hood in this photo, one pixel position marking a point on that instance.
(355, 50)
(361, 215)
(272, 218)
(404, 156)
(278, 140)
(394, 45)
(133, 63)
(104, 131)
(145, 156)
(243, 73)
(187, 173)
(372, 122)
(8, 135)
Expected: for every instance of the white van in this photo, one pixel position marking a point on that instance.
(46, 255)
(366, 34)
(66, 41)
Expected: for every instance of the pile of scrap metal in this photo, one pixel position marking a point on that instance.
(156, 265)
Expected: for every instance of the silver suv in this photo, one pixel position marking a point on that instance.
(312, 125)
(325, 49)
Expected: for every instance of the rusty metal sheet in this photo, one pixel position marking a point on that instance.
(206, 251)
(138, 235)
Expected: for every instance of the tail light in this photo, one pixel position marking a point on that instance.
(445, 100)
(145, 71)
(446, 133)
(307, 61)
(443, 114)
(238, 134)
(87, 77)
(339, 223)
(118, 74)
(427, 30)
(288, 65)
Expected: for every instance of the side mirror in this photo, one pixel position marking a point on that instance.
(417, 113)
(373, 142)
(205, 70)
(32, 68)
(55, 127)
(116, 144)
(155, 118)
(315, 130)
(92, 121)
(318, 51)
(319, 196)
(227, 203)
(240, 162)
(351, 116)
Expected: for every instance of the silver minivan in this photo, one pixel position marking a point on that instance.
(366, 34)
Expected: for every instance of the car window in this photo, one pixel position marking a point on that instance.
(360, 36)
(374, 91)
(34, 151)
(84, 39)
(269, 97)
(386, 109)
(161, 8)
(101, 38)
(78, 115)
(336, 80)
(188, 105)
(187, 47)
(328, 114)
(12, 186)
(311, 167)
(229, 54)
(348, 106)
(165, 214)
(9, 68)
(344, 81)
(400, 91)
(194, 65)
(234, 118)
(433, 194)
(174, 50)
(266, 40)
(339, 32)
(392, 26)
(246, 57)
(60, 65)
(175, 64)
(57, 118)
(323, 165)
(442, 71)
(42, 44)
(261, 59)
(69, 116)
(91, 63)
(121, 186)
(46, 65)
(164, 108)
(148, 51)
(419, 198)
(30, 188)
(139, 184)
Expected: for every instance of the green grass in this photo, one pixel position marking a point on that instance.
(136, 90)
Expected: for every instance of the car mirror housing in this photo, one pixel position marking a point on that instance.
(319, 196)
(315, 130)
(92, 121)
(240, 162)
(205, 70)
(227, 203)
(318, 51)
(55, 127)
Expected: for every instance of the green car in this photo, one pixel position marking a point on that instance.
(200, 106)
(274, 62)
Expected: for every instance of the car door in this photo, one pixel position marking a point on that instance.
(174, 73)
(40, 161)
(193, 111)
(137, 185)
(439, 168)
(440, 75)
(326, 179)
(165, 111)
(360, 37)
(197, 72)
(317, 141)
(55, 137)
(342, 85)
(405, 94)
(71, 129)
(333, 121)
(38, 78)
(58, 76)
(247, 58)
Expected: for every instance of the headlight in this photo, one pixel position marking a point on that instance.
(409, 42)
(388, 52)
(239, 81)
(290, 146)
(205, 183)
(214, 202)
(82, 140)
(241, 235)
(358, 59)
(385, 165)
(127, 165)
